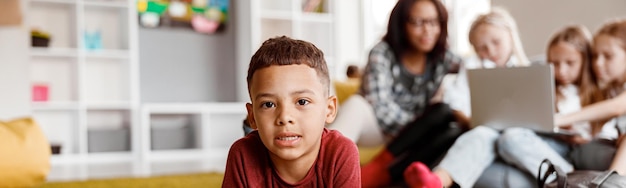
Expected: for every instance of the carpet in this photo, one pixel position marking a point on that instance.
(175, 181)
(172, 181)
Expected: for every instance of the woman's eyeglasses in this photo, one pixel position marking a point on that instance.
(419, 23)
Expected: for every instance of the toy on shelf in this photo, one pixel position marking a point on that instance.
(203, 16)
(40, 92)
(39, 38)
(92, 40)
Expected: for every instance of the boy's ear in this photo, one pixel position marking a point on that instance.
(331, 111)
(251, 120)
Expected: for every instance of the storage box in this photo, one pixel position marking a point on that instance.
(40, 92)
(107, 140)
(172, 138)
(39, 42)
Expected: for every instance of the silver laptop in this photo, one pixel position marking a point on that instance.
(513, 97)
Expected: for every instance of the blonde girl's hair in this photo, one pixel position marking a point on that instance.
(501, 18)
(616, 29)
(579, 37)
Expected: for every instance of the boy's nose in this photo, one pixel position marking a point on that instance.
(284, 122)
(284, 118)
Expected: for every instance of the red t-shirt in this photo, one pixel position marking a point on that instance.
(337, 164)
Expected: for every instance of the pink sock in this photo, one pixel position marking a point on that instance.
(417, 175)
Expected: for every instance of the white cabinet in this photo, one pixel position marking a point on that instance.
(166, 128)
(86, 78)
(264, 19)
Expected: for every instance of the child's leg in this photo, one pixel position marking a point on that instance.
(355, 120)
(466, 160)
(430, 151)
(419, 133)
(436, 119)
(594, 155)
(619, 161)
(526, 150)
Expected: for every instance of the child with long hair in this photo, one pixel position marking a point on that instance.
(569, 51)
(609, 65)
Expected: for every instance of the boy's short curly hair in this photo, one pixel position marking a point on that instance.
(286, 51)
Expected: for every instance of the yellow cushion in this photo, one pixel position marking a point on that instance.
(24, 154)
(346, 89)
(366, 154)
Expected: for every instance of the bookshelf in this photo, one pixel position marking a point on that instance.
(265, 19)
(215, 126)
(91, 92)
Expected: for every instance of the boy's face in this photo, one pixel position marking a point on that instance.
(290, 108)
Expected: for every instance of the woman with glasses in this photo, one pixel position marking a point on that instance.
(398, 96)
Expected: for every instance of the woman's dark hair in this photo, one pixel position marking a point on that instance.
(396, 35)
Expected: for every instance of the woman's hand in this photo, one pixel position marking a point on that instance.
(462, 120)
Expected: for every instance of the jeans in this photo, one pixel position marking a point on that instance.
(426, 139)
(525, 149)
(470, 155)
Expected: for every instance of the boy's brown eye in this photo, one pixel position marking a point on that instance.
(303, 102)
(268, 105)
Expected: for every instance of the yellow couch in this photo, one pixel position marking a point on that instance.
(24, 154)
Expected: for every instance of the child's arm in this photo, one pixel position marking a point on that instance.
(619, 160)
(377, 83)
(601, 110)
(348, 170)
(235, 175)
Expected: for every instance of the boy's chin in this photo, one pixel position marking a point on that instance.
(287, 154)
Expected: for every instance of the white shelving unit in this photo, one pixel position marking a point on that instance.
(287, 17)
(89, 90)
(264, 19)
(215, 126)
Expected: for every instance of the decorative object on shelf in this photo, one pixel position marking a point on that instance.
(203, 16)
(56, 148)
(92, 40)
(312, 6)
(39, 38)
(10, 13)
(40, 92)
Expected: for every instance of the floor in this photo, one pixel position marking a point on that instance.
(84, 171)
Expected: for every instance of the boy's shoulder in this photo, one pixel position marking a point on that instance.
(251, 142)
(333, 139)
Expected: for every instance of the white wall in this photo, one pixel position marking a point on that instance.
(347, 39)
(180, 65)
(538, 19)
(14, 72)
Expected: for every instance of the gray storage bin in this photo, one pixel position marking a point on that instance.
(106, 140)
(172, 138)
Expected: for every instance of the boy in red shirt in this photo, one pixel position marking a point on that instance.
(288, 84)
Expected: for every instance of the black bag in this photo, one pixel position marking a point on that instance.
(579, 179)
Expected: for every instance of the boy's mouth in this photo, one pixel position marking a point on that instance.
(287, 139)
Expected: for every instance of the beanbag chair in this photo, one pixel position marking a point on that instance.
(24, 154)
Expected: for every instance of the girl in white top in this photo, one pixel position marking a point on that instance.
(609, 46)
(569, 51)
(496, 42)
